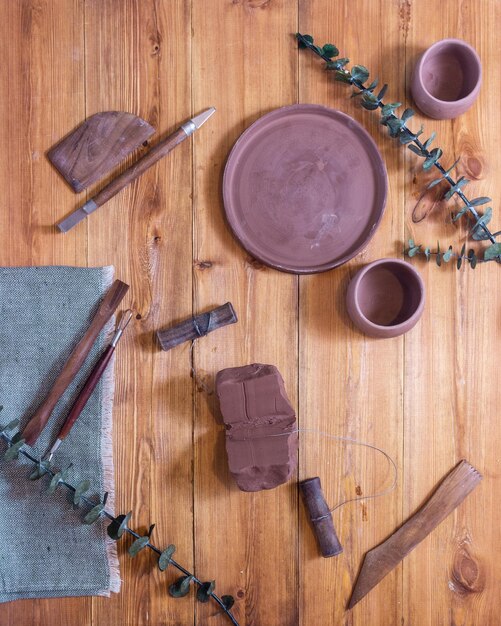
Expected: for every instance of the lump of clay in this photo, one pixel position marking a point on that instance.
(255, 407)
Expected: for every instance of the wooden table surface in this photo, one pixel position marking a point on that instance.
(429, 398)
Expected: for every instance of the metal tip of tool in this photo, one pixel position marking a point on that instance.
(200, 119)
(77, 216)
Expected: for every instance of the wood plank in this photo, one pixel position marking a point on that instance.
(450, 399)
(146, 231)
(42, 87)
(244, 65)
(361, 392)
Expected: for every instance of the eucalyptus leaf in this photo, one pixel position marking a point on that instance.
(478, 232)
(435, 154)
(472, 257)
(360, 73)
(117, 527)
(13, 451)
(413, 251)
(54, 483)
(492, 252)
(407, 114)
(338, 64)
(16, 437)
(94, 514)
(462, 182)
(447, 255)
(330, 51)
(80, 489)
(380, 96)
(452, 167)
(205, 590)
(419, 152)
(10, 426)
(308, 38)
(429, 141)
(434, 182)
(427, 253)
(343, 77)
(139, 544)
(180, 587)
(165, 558)
(228, 601)
(388, 109)
(406, 136)
(394, 126)
(479, 201)
(373, 85)
(40, 470)
(460, 213)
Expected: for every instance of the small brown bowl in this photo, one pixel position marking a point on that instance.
(386, 298)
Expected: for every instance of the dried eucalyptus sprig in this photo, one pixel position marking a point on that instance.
(398, 129)
(119, 525)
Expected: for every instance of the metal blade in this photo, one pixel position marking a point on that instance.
(200, 119)
(194, 124)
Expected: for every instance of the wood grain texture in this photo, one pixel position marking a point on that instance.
(429, 398)
(93, 149)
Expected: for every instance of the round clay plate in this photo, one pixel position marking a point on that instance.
(304, 188)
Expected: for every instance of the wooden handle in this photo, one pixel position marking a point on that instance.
(139, 167)
(72, 366)
(320, 517)
(87, 389)
(205, 323)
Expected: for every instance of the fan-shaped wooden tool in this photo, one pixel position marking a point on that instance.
(95, 147)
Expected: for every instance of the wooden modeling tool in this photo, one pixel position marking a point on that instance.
(135, 170)
(379, 561)
(95, 147)
(197, 326)
(108, 306)
(320, 517)
(90, 383)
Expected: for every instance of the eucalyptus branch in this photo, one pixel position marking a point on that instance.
(398, 129)
(119, 524)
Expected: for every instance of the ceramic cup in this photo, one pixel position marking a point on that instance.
(446, 79)
(386, 298)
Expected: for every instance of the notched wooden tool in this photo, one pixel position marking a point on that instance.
(197, 326)
(320, 517)
(379, 561)
(95, 147)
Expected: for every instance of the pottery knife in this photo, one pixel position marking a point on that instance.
(379, 561)
(135, 170)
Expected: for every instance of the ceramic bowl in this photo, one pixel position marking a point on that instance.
(446, 79)
(386, 298)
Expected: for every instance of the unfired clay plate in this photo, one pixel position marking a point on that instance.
(304, 188)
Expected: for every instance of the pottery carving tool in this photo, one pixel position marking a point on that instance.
(90, 383)
(320, 517)
(95, 147)
(135, 170)
(106, 309)
(379, 561)
(197, 326)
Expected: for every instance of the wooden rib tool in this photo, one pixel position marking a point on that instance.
(379, 561)
(108, 306)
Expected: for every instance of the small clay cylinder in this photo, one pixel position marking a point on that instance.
(320, 517)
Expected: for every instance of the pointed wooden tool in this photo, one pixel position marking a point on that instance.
(379, 561)
(95, 147)
(108, 306)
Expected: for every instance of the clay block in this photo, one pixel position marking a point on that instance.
(255, 406)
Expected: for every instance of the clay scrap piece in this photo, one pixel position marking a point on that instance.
(255, 407)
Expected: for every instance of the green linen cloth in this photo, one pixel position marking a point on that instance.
(45, 550)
